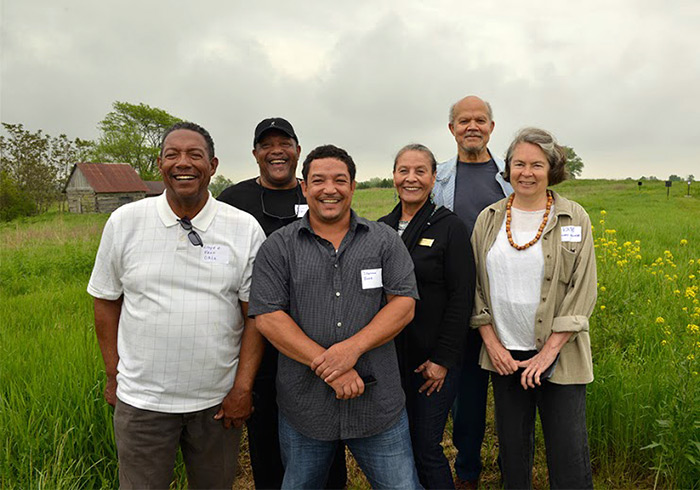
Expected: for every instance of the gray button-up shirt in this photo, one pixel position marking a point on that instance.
(332, 295)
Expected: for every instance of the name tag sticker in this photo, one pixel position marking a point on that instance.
(570, 233)
(301, 209)
(218, 254)
(426, 242)
(372, 278)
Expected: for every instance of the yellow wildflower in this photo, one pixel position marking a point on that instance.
(676, 291)
(691, 357)
(663, 342)
(603, 212)
(610, 232)
(602, 289)
(684, 242)
(602, 307)
(660, 319)
(692, 276)
(692, 328)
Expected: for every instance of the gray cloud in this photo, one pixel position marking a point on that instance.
(615, 80)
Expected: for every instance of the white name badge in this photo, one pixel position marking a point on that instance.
(218, 254)
(570, 233)
(301, 209)
(372, 278)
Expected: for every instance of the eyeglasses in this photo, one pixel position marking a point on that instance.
(194, 237)
(291, 216)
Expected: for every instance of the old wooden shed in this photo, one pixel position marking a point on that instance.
(102, 187)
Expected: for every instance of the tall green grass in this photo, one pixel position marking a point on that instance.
(643, 410)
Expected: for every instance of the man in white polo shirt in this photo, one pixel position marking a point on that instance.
(171, 283)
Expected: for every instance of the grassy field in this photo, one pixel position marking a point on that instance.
(643, 407)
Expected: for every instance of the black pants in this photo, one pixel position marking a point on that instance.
(562, 411)
(264, 443)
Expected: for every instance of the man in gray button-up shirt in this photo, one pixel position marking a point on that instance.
(331, 291)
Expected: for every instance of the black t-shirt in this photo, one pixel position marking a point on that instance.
(273, 209)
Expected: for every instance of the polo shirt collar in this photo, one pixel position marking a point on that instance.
(200, 222)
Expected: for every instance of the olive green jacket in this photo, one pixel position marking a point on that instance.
(568, 292)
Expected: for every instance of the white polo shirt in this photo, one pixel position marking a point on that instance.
(181, 323)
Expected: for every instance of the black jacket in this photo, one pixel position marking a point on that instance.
(438, 242)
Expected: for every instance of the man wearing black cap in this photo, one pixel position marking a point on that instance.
(275, 199)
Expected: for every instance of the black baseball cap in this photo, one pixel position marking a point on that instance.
(274, 123)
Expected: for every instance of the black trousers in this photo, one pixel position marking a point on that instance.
(562, 410)
(264, 443)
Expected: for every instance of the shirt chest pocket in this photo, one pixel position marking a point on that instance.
(567, 260)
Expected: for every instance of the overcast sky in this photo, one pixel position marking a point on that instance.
(618, 80)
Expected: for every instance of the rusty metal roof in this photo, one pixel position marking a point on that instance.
(155, 187)
(112, 177)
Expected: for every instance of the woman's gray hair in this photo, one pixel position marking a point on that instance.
(555, 153)
(421, 148)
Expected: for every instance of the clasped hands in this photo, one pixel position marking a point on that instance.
(335, 366)
(533, 367)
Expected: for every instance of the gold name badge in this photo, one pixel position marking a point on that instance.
(426, 242)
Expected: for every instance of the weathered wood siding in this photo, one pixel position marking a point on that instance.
(81, 200)
(78, 181)
(106, 203)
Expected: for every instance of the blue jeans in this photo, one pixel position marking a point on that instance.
(562, 411)
(469, 411)
(427, 416)
(264, 445)
(385, 458)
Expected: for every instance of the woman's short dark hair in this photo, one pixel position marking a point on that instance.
(421, 148)
(555, 153)
(328, 151)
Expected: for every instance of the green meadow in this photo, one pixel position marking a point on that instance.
(643, 407)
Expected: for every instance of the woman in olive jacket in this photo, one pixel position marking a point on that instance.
(536, 289)
(430, 347)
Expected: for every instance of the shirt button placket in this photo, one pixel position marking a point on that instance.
(337, 310)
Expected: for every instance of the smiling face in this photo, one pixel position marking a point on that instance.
(414, 177)
(186, 169)
(277, 155)
(472, 127)
(328, 189)
(529, 170)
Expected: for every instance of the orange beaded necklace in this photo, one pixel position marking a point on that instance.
(509, 204)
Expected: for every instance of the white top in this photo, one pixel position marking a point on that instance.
(181, 322)
(515, 280)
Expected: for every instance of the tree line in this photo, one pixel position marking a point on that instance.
(35, 167)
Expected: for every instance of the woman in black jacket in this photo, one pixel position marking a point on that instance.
(430, 347)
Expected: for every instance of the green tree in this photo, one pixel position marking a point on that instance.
(37, 165)
(25, 159)
(13, 201)
(674, 178)
(574, 164)
(131, 134)
(218, 184)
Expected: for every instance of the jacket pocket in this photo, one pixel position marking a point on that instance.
(567, 258)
